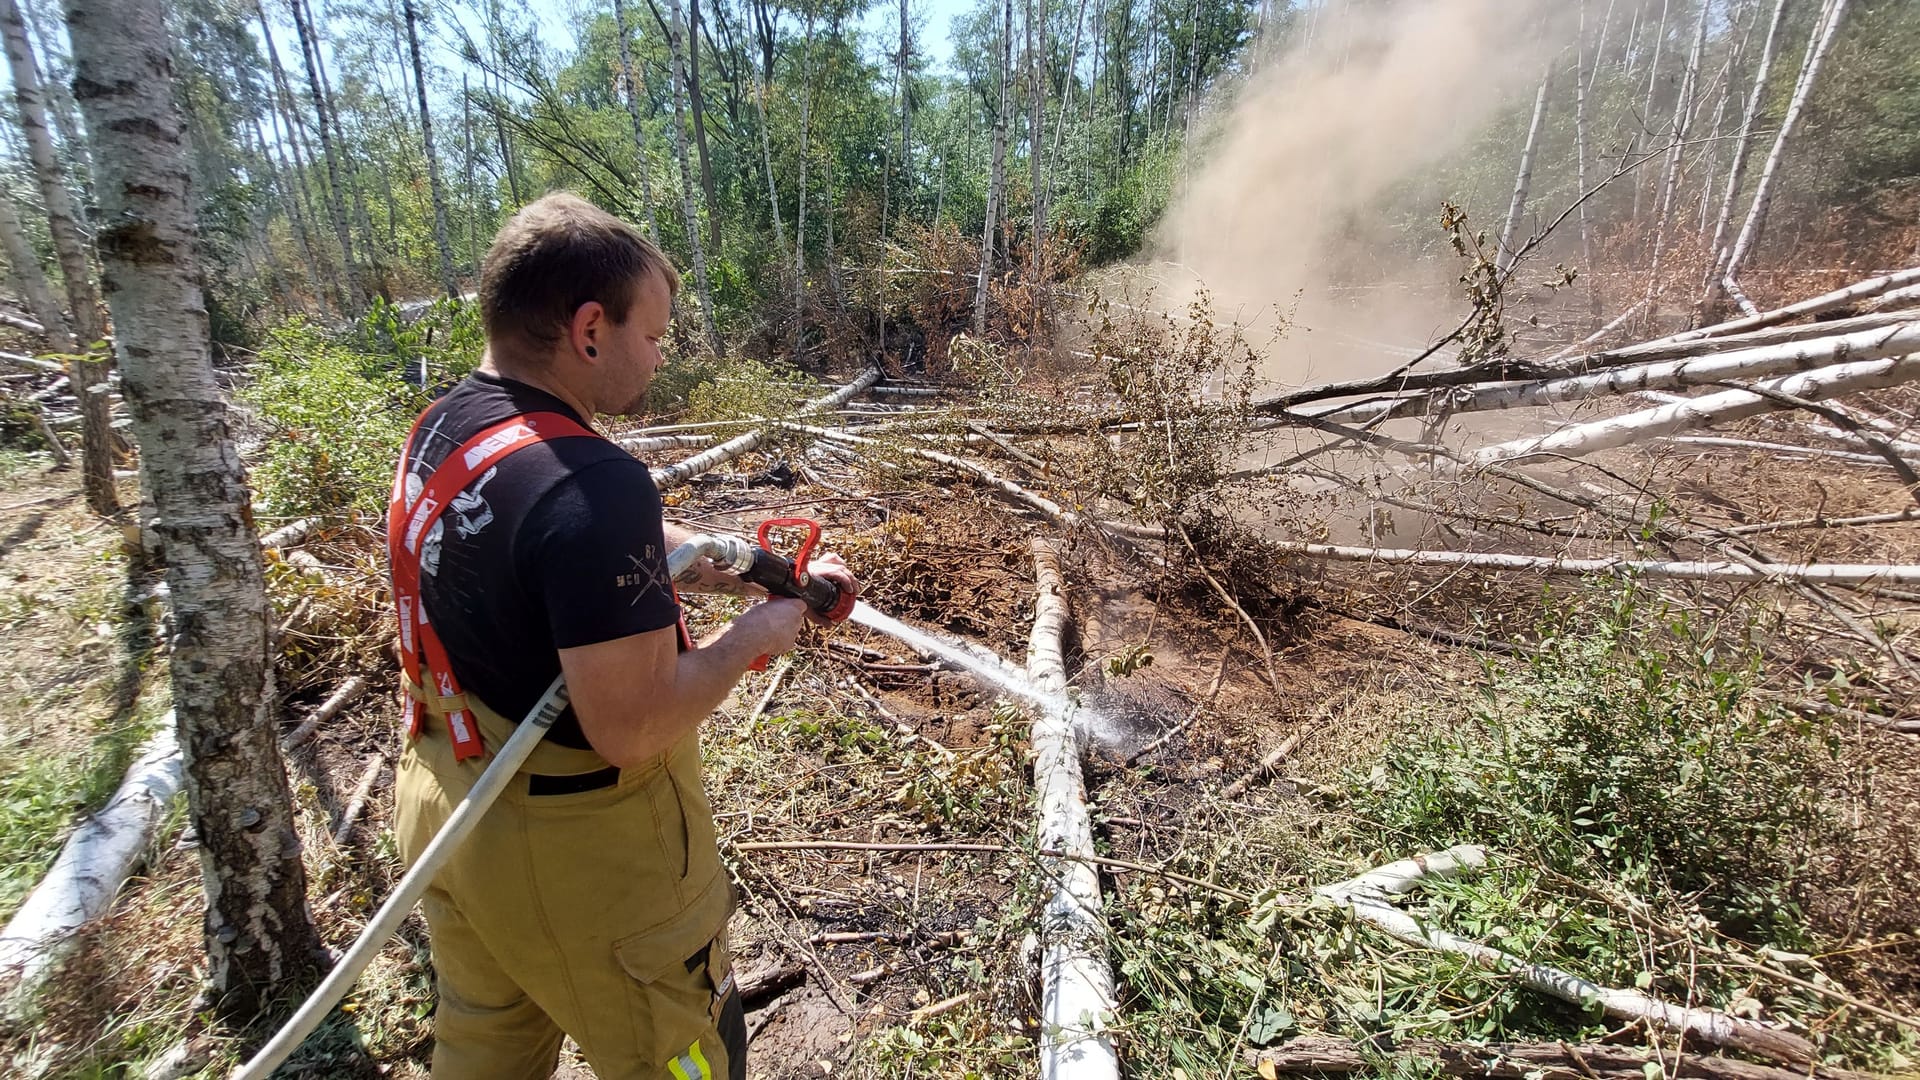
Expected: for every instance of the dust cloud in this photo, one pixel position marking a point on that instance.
(1300, 199)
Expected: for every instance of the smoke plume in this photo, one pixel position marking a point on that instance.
(1285, 205)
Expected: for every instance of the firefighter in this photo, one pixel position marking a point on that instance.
(590, 901)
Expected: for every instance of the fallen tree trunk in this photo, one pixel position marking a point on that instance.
(1745, 333)
(289, 534)
(83, 881)
(1825, 302)
(1324, 1055)
(1775, 360)
(1831, 573)
(1364, 898)
(1076, 983)
(1067, 518)
(1580, 440)
(1846, 457)
(649, 443)
(348, 693)
(733, 448)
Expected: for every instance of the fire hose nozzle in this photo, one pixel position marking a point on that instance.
(765, 567)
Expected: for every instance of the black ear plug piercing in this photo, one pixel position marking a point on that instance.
(591, 351)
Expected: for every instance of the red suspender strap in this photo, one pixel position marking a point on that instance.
(409, 524)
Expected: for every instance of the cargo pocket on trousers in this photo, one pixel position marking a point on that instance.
(669, 968)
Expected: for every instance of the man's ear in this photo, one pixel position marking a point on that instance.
(584, 331)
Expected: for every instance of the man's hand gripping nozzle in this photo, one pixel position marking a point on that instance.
(761, 565)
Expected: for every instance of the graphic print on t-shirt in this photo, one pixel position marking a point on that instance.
(648, 575)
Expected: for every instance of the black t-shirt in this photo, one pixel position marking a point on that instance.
(558, 545)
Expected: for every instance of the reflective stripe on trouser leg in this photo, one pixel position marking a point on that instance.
(691, 1065)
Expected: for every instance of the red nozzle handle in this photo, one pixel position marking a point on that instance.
(806, 546)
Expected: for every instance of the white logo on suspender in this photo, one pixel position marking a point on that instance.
(495, 443)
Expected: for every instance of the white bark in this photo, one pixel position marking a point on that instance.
(1076, 981)
(1653, 80)
(766, 158)
(348, 692)
(677, 50)
(1774, 335)
(63, 225)
(440, 242)
(63, 222)
(800, 211)
(1896, 298)
(335, 186)
(1672, 375)
(1580, 156)
(96, 860)
(1037, 133)
(1686, 570)
(1839, 298)
(259, 933)
(733, 448)
(31, 279)
(1396, 878)
(376, 762)
(1823, 35)
(1053, 511)
(997, 172)
(1710, 1025)
(1580, 440)
(1742, 150)
(1847, 457)
(1676, 151)
(649, 443)
(631, 77)
(1619, 321)
(1523, 181)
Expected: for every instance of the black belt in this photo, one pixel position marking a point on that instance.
(575, 784)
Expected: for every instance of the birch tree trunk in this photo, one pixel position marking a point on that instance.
(440, 241)
(336, 205)
(287, 117)
(997, 176)
(1823, 34)
(1076, 978)
(65, 115)
(697, 99)
(30, 278)
(1653, 81)
(1036, 133)
(766, 161)
(1523, 183)
(1066, 102)
(63, 224)
(1670, 176)
(630, 77)
(356, 187)
(472, 189)
(1580, 440)
(260, 937)
(1580, 158)
(690, 216)
(906, 95)
(1737, 171)
(800, 213)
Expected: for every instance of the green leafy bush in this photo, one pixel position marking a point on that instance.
(1630, 749)
(335, 416)
(445, 335)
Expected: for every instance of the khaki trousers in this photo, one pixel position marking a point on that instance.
(600, 914)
